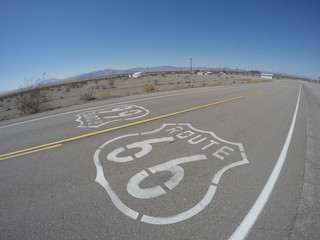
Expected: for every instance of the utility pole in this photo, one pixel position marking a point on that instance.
(191, 65)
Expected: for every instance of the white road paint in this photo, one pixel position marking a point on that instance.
(171, 166)
(247, 223)
(221, 151)
(185, 215)
(202, 141)
(114, 197)
(117, 103)
(145, 147)
(99, 117)
(143, 193)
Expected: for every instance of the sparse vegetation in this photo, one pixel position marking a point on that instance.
(203, 83)
(126, 93)
(156, 82)
(73, 85)
(148, 88)
(111, 82)
(69, 93)
(67, 88)
(104, 95)
(87, 96)
(33, 101)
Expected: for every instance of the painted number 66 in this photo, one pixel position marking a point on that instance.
(172, 166)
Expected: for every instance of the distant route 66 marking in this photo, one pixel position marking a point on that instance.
(102, 116)
(143, 172)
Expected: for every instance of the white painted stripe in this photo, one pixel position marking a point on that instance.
(117, 103)
(185, 215)
(103, 182)
(245, 226)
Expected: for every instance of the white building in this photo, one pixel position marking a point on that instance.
(139, 74)
(267, 75)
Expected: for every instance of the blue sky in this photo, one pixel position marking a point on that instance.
(65, 38)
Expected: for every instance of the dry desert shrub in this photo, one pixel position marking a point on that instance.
(87, 96)
(104, 95)
(33, 101)
(203, 84)
(148, 88)
(111, 83)
(156, 82)
(126, 93)
(67, 88)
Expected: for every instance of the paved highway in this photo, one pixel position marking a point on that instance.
(232, 162)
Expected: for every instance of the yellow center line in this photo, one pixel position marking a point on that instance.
(37, 150)
(58, 143)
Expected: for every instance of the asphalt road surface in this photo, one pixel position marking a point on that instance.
(232, 162)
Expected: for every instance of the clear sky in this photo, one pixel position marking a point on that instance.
(65, 38)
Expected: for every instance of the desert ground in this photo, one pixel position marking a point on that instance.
(77, 92)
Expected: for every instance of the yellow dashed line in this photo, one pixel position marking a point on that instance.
(59, 143)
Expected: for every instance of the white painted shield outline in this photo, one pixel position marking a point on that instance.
(181, 216)
(115, 120)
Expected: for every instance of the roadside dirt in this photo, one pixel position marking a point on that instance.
(81, 91)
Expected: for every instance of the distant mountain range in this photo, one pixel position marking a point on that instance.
(110, 72)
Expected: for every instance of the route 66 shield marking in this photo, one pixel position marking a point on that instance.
(167, 175)
(102, 116)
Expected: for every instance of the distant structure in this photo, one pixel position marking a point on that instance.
(267, 75)
(204, 73)
(138, 74)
